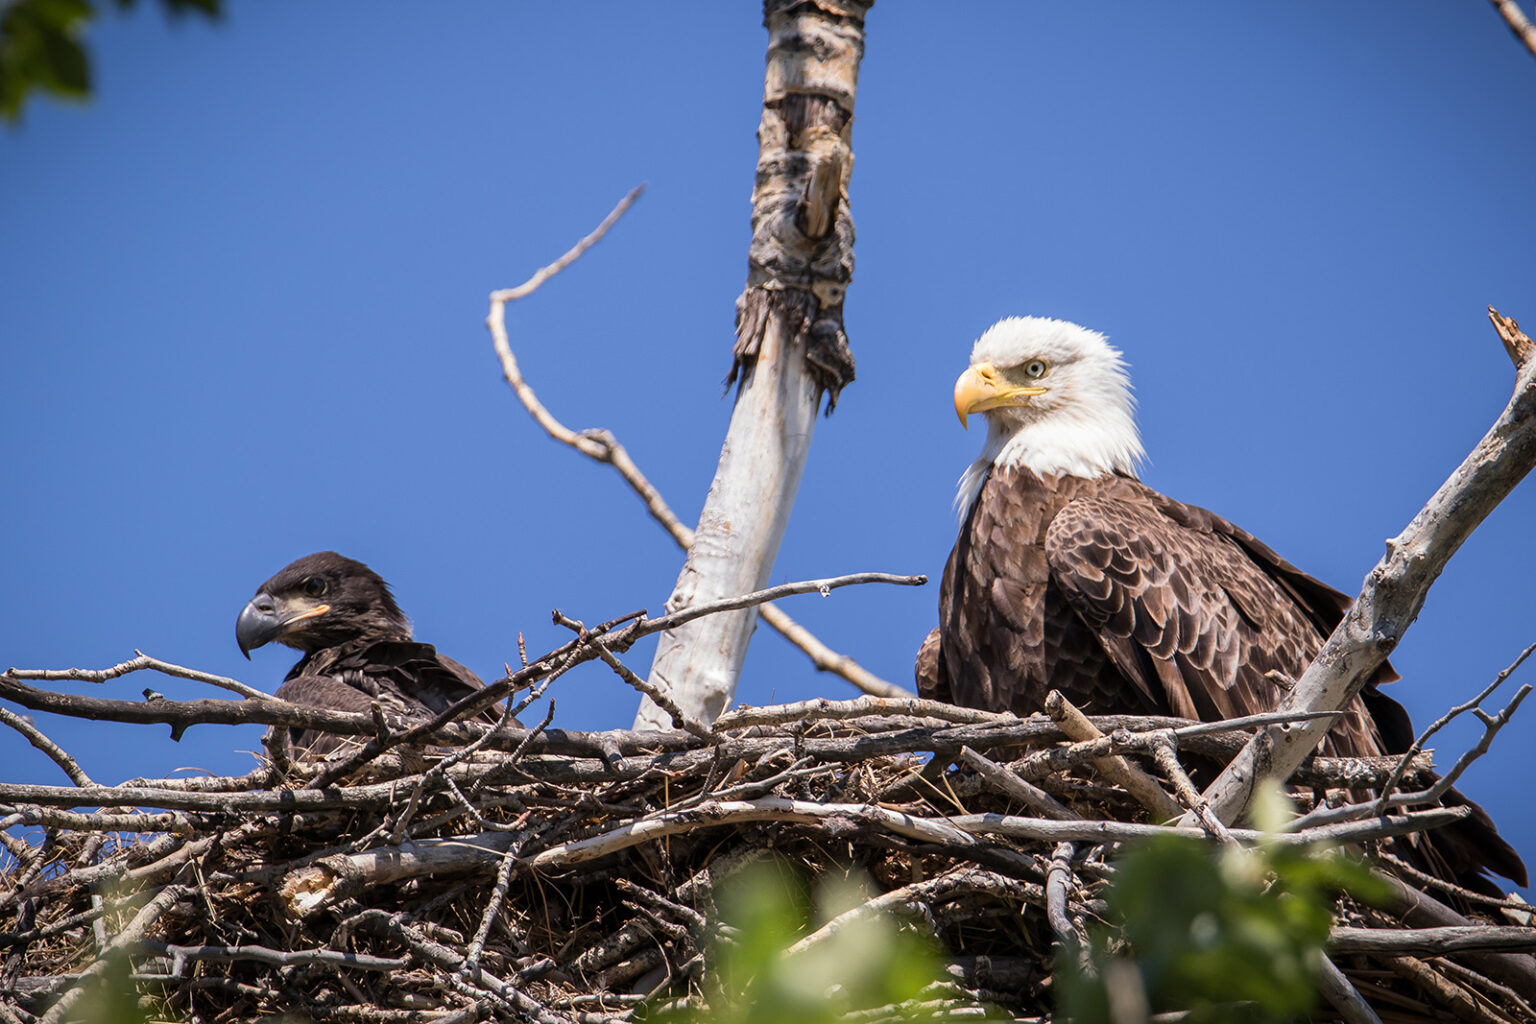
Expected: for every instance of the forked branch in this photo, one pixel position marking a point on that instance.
(1395, 590)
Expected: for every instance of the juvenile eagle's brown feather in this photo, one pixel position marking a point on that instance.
(357, 648)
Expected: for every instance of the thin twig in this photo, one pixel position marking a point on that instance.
(267, 955)
(821, 708)
(125, 940)
(602, 446)
(35, 737)
(1442, 722)
(1031, 796)
(645, 627)
(1167, 758)
(679, 719)
(139, 664)
(1371, 808)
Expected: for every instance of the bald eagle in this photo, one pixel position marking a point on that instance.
(357, 647)
(1071, 574)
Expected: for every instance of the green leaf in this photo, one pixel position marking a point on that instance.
(40, 49)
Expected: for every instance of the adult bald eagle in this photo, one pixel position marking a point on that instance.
(1070, 574)
(357, 647)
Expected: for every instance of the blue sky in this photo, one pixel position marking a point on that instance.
(242, 298)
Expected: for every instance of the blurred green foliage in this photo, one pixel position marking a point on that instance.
(114, 1000)
(41, 48)
(1205, 928)
(751, 976)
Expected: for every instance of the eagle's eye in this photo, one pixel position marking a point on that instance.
(1035, 369)
(314, 586)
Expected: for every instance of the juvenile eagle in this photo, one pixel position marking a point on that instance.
(357, 647)
(1070, 574)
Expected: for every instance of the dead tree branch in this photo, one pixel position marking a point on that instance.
(1518, 23)
(602, 446)
(790, 344)
(1394, 591)
(1442, 722)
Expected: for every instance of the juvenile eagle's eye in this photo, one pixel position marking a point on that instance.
(314, 586)
(1035, 369)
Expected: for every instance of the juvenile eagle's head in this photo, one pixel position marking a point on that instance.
(322, 600)
(1056, 398)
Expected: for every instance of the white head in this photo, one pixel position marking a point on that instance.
(1056, 398)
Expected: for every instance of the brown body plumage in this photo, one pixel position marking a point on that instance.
(1070, 574)
(357, 646)
(1127, 602)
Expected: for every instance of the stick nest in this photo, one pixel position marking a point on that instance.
(570, 877)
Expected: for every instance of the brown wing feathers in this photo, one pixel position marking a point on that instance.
(1130, 602)
(357, 646)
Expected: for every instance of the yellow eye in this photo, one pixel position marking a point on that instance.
(1035, 369)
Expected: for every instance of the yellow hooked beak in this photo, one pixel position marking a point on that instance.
(981, 388)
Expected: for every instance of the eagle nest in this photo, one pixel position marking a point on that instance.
(539, 874)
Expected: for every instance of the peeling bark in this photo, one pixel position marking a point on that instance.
(790, 348)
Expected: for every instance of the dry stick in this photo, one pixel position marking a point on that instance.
(1424, 878)
(314, 885)
(102, 821)
(645, 627)
(1486, 985)
(471, 962)
(1116, 768)
(1058, 879)
(1001, 729)
(1442, 722)
(124, 942)
(35, 737)
(601, 446)
(1417, 909)
(1432, 941)
(1167, 759)
(441, 769)
(1518, 23)
(1113, 831)
(822, 709)
(468, 705)
(1033, 797)
(519, 1005)
(180, 714)
(582, 649)
(1465, 1006)
(1491, 726)
(964, 878)
(139, 664)
(1395, 590)
(1343, 996)
(679, 719)
(266, 955)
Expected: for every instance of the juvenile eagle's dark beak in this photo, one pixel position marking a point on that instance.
(266, 618)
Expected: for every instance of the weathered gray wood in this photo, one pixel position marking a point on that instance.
(1395, 590)
(790, 346)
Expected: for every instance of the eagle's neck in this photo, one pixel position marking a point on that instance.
(1056, 445)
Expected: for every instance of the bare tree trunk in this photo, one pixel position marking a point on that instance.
(790, 346)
